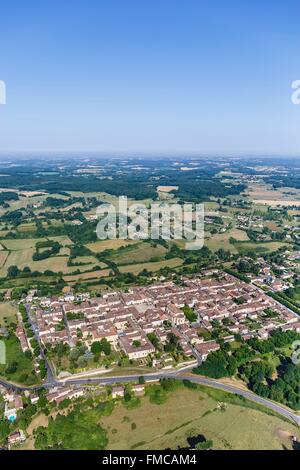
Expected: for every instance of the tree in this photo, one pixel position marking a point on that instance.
(189, 313)
(153, 339)
(96, 347)
(105, 346)
(82, 362)
(205, 445)
(172, 343)
(4, 430)
(12, 271)
(43, 369)
(11, 368)
(42, 401)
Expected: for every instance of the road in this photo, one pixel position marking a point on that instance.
(281, 410)
(199, 380)
(50, 372)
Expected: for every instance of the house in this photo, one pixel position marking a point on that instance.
(13, 404)
(7, 295)
(118, 392)
(205, 348)
(136, 345)
(68, 294)
(20, 333)
(176, 315)
(139, 389)
(63, 394)
(16, 438)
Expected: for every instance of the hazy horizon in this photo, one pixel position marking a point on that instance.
(89, 154)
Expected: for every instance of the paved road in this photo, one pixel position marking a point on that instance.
(34, 327)
(156, 376)
(18, 388)
(200, 380)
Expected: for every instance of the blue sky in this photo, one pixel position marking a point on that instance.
(150, 75)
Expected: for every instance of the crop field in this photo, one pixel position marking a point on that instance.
(64, 251)
(220, 240)
(87, 259)
(189, 413)
(133, 268)
(262, 247)
(23, 258)
(266, 194)
(88, 275)
(155, 266)
(27, 227)
(25, 372)
(20, 258)
(139, 253)
(72, 206)
(19, 252)
(211, 206)
(7, 312)
(21, 244)
(62, 239)
(3, 257)
(102, 245)
(238, 234)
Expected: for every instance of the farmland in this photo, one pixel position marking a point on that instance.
(265, 194)
(190, 413)
(141, 252)
(102, 245)
(154, 266)
(7, 313)
(68, 217)
(18, 367)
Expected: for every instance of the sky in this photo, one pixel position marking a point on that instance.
(152, 76)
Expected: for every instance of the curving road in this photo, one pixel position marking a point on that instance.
(289, 414)
(276, 407)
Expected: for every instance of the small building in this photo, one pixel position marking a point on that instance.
(16, 438)
(204, 349)
(7, 295)
(139, 389)
(118, 392)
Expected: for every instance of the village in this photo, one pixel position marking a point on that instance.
(136, 321)
(189, 311)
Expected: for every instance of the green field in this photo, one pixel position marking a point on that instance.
(87, 276)
(7, 313)
(22, 371)
(155, 266)
(190, 413)
(141, 252)
(261, 247)
(102, 245)
(21, 243)
(221, 240)
(19, 252)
